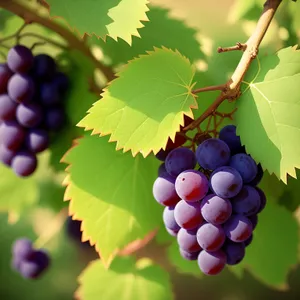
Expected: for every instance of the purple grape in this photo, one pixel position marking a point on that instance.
(245, 165)
(169, 219)
(172, 232)
(12, 135)
(215, 209)
(189, 255)
(61, 81)
(246, 202)
(7, 107)
(187, 240)
(19, 59)
(191, 185)
(263, 200)
(210, 237)
(179, 160)
(5, 74)
(37, 140)
(29, 115)
(258, 177)
(6, 155)
(35, 266)
(55, 118)
(212, 263)
(22, 248)
(188, 215)
(235, 252)
(49, 94)
(21, 88)
(226, 182)
(164, 190)
(228, 135)
(44, 67)
(212, 154)
(162, 172)
(24, 163)
(238, 228)
(248, 240)
(254, 221)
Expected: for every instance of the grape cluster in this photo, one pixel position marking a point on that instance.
(31, 93)
(30, 263)
(211, 200)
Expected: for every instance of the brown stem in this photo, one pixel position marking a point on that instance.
(232, 91)
(75, 43)
(238, 46)
(220, 87)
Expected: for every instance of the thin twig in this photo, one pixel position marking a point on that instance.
(220, 87)
(232, 91)
(238, 46)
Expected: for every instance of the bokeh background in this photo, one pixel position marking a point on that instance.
(69, 258)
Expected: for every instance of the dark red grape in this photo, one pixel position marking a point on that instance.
(44, 67)
(30, 114)
(12, 135)
(212, 263)
(5, 74)
(37, 140)
(7, 107)
(21, 88)
(238, 228)
(6, 155)
(19, 59)
(24, 163)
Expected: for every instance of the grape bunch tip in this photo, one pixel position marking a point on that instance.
(31, 107)
(211, 199)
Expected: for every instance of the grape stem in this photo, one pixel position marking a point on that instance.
(238, 46)
(220, 87)
(74, 42)
(232, 88)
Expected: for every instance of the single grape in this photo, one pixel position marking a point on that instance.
(22, 248)
(12, 135)
(248, 240)
(228, 135)
(37, 140)
(29, 115)
(61, 81)
(263, 199)
(189, 255)
(19, 59)
(235, 252)
(245, 165)
(246, 202)
(188, 215)
(7, 107)
(254, 220)
(44, 67)
(24, 163)
(179, 160)
(215, 210)
(187, 240)
(210, 237)
(5, 74)
(238, 228)
(226, 182)
(21, 88)
(258, 177)
(6, 155)
(212, 263)
(169, 219)
(212, 154)
(172, 232)
(55, 118)
(164, 190)
(191, 185)
(49, 94)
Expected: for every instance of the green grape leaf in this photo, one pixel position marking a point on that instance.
(127, 17)
(141, 280)
(16, 193)
(146, 104)
(156, 33)
(268, 112)
(86, 16)
(110, 192)
(274, 249)
(182, 266)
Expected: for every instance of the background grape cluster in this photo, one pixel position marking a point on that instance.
(29, 262)
(31, 107)
(211, 199)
